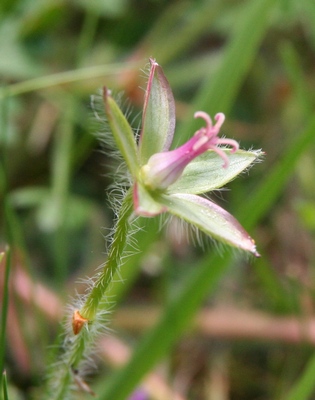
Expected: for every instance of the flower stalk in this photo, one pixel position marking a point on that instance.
(88, 321)
(121, 235)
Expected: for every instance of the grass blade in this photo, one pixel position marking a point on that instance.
(304, 387)
(5, 386)
(4, 311)
(219, 90)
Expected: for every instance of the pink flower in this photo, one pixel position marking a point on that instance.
(172, 181)
(165, 168)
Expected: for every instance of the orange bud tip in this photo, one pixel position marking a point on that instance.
(78, 322)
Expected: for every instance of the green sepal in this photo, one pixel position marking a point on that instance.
(205, 173)
(122, 132)
(158, 120)
(209, 218)
(144, 203)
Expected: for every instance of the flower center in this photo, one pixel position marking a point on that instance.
(165, 168)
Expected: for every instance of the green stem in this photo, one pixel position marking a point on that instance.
(113, 262)
(61, 374)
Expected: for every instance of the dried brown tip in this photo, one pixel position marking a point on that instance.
(78, 322)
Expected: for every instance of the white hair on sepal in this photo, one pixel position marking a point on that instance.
(145, 73)
(103, 132)
(260, 155)
(184, 232)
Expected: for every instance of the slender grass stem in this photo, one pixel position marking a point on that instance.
(61, 167)
(4, 311)
(64, 78)
(5, 386)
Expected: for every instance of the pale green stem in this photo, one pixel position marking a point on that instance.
(122, 230)
(77, 346)
(64, 78)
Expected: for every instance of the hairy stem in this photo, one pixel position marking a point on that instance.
(76, 347)
(122, 231)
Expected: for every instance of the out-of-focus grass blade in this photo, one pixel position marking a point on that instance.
(295, 74)
(5, 386)
(219, 90)
(87, 36)
(304, 387)
(189, 20)
(279, 298)
(4, 310)
(61, 78)
(263, 198)
(54, 209)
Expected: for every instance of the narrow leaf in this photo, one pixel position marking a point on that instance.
(4, 309)
(304, 388)
(205, 173)
(158, 120)
(5, 386)
(219, 89)
(122, 132)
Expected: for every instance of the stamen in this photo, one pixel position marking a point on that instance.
(165, 168)
(205, 116)
(230, 142)
(223, 155)
(201, 141)
(220, 118)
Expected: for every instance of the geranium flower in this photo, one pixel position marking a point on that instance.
(172, 180)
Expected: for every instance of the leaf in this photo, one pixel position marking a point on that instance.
(211, 219)
(205, 173)
(158, 120)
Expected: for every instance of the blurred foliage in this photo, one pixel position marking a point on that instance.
(55, 177)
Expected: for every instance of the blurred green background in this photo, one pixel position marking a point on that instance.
(218, 325)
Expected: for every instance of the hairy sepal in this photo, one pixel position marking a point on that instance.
(205, 173)
(158, 120)
(211, 219)
(144, 203)
(122, 132)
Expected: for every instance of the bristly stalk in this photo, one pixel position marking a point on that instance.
(121, 235)
(89, 320)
